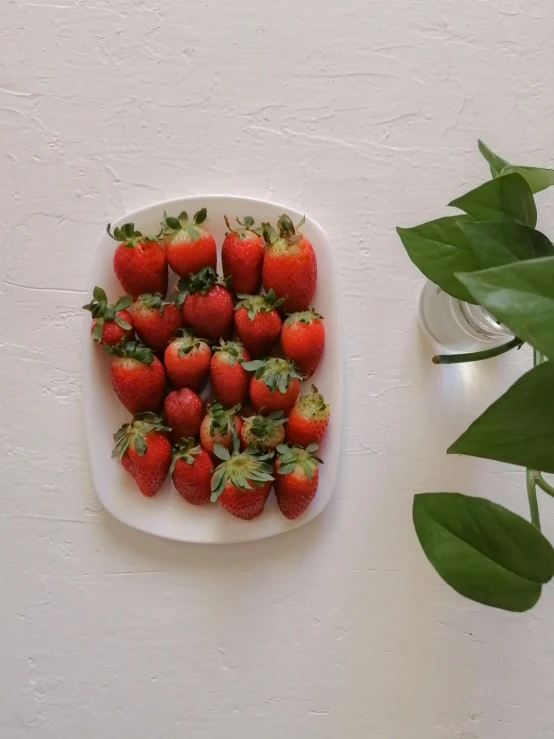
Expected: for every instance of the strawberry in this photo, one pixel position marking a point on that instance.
(138, 377)
(139, 261)
(188, 246)
(192, 470)
(110, 323)
(219, 426)
(263, 432)
(296, 478)
(228, 378)
(242, 482)
(290, 266)
(275, 385)
(242, 256)
(308, 419)
(207, 304)
(187, 361)
(258, 322)
(184, 412)
(303, 339)
(144, 451)
(155, 320)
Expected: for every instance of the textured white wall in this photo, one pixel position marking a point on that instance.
(365, 115)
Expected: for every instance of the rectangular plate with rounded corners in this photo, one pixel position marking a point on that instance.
(167, 514)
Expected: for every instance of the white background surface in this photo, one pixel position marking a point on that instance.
(364, 115)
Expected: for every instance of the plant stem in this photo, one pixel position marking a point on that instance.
(477, 356)
(532, 496)
(541, 482)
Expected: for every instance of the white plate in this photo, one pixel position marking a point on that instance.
(167, 514)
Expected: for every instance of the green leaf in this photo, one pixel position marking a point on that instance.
(220, 451)
(200, 216)
(518, 428)
(99, 294)
(506, 198)
(122, 323)
(254, 365)
(139, 442)
(124, 302)
(440, 249)
(498, 243)
(483, 550)
(173, 223)
(218, 483)
(97, 330)
(538, 178)
(521, 296)
(496, 163)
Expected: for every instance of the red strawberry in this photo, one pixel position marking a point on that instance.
(188, 247)
(228, 378)
(191, 470)
(110, 323)
(296, 478)
(155, 320)
(303, 340)
(308, 419)
(184, 412)
(263, 432)
(138, 377)
(242, 482)
(275, 385)
(187, 361)
(144, 451)
(242, 256)
(290, 266)
(258, 323)
(207, 304)
(139, 261)
(219, 426)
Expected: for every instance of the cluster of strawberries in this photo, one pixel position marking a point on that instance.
(230, 330)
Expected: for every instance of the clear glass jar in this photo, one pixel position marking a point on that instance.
(458, 326)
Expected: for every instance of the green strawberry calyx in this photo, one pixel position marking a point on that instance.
(245, 228)
(135, 433)
(292, 458)
(254, 304)
(245, 470)
(186, 341)
(286, 231)
(200, 282)
(312, 403)
(276, 372)
(131, 350)
(186, 451)
(171, 225)
(264, 427)
(129, 236)
(231, 352)
(154, 301)
(222, 419)
(102, 311)
(305, 316)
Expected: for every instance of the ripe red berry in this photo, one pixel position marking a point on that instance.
(228, 378)
(139, 261)
(187, 361)
(258, 323)
(303, 340)
(155, 320)
(242, 256)
(111, 324)
(144, 451)
(189, 247)
(184, 412)
(207, 305)
(290, 266)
